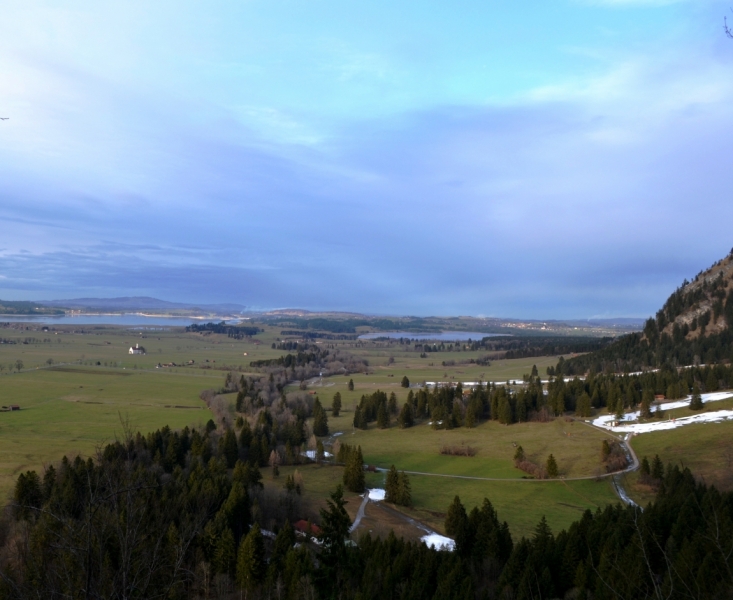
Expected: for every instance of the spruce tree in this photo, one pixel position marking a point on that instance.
(647, 397)
(335, 526)
(392, 404)
(225, 554)
(582, 407)
(406, 419)
(645, 469)
(382, 416)
(551, 466)
(404, 490)
(405, 383)
(251, 560)
(470, 420)
(320, 420)
(354, 472)
(336, 406)
(657, 468)
(696, 399)
(231, 452)
(351, 385)
(518, 455)
(456, 519)
(391, 486)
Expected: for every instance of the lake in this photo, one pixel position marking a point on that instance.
(443, 336)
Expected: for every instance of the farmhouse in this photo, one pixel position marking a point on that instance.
(138, 349)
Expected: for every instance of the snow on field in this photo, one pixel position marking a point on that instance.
(711, 417)
(439, 542)
(312, 454)
(376, 494)
(627, 424)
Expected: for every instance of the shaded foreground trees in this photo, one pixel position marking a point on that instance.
(128, 525)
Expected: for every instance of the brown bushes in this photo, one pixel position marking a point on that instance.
(536, 471)
(461, 450)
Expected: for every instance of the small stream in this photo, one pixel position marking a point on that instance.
(616, 479)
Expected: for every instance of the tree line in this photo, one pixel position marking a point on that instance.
(124, 525)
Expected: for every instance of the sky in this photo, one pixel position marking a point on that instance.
(565, 159)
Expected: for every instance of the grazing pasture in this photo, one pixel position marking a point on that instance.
(77, 385)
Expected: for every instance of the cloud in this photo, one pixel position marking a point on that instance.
(592, 195)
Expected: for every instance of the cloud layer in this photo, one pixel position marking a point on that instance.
(592, 192)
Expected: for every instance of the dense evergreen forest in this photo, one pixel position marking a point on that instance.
(236, 332)
(183, 515)
(449, 406)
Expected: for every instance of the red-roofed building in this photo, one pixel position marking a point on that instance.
(308, 528)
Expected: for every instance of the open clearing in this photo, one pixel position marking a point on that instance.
(74, 405)
(576, 447)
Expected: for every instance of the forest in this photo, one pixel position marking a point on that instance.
(182, 515)
(449, 406)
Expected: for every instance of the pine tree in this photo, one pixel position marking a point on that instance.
(230, 449)
(354, 472)
(225, 554)
(518, 455)
(582, 407)
(351, 385)
(645, 469)
(320, 420)
(657, 468)
(251, 560)
(551, 466)
(382, 416)
(470, 420)
(456, 519)
(404, 490)
(392, 404)
(405, 383)
(336, 406)
(245, 436)
(406, 419)
(505, 411)
(391, 486)
(696, 400)
(335, 526)
(647, 397)
(359, 419)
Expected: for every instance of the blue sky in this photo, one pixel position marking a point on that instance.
(537, 159)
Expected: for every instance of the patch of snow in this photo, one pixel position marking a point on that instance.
(439, 542)
(338, 433)
(721, 415)
(312, 454)
(711, 417)
(376, 494)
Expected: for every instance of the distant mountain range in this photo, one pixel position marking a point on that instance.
(138, 303)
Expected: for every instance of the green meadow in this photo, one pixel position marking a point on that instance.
(78, 385)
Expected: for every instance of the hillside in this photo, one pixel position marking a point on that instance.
(137, 303)
(14, 307)
(694, 326)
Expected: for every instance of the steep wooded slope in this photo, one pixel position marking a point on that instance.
(694, 326)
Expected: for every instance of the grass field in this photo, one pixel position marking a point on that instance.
(706, 449)
(77, 383)
(75, 410)
(520, 503)
(577, 448)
